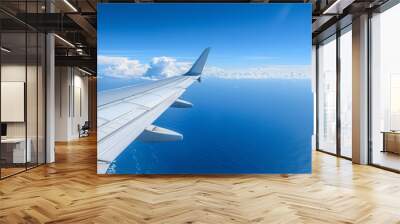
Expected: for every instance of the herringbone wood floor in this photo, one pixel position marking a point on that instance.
(69, 191)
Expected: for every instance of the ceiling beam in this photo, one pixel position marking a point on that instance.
(77, 61)
(86, 26)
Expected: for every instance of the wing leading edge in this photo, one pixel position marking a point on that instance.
(127, 113)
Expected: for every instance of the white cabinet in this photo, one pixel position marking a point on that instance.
(19, 154)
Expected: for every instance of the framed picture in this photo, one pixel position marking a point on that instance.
(204, 89)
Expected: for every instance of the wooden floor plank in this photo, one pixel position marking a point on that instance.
(70, 191)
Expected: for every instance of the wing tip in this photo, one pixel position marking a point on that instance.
(198, 66)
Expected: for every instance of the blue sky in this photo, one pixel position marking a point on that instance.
(241, 36)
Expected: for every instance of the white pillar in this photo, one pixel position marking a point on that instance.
(50, 99)
(360, 90)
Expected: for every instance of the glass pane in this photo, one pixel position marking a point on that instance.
(31, 98)
(31, 88)
(13, 86)
(386, 89)
(327, 96)
(41, 98)
(23, 90)
(346, 93)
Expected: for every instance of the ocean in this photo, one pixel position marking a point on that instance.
(236, 126)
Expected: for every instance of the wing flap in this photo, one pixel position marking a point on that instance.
(149, 100)
(158, 134)
(115, 95)
(112, 112)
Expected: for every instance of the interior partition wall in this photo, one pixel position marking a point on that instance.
(22, 101)
(334, 94)
(385, 88)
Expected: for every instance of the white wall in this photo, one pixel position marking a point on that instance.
(62, 82)
(14, 72)
(33, 126)
(80, 104)
(71, 102)
(17, 73)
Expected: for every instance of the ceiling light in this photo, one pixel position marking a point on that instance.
(84, 71)
(64, 40)
(79, 51)
(338, 6)
(5, 50)
(70, 5)
(330, 8)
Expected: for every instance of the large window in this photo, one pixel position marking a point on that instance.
(327, 95)
(346, 92)
(385, 88)
(335, 73)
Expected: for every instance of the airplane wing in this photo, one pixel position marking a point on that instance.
(125, 114)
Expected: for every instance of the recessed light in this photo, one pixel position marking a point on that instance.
(84, 71)
(5, 50)
(70, 5)
(337, 7)
(64, 40)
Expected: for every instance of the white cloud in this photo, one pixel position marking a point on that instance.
(120, 67)
(264, 72)
(163, 67)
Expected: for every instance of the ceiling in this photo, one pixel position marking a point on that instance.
(75, 22)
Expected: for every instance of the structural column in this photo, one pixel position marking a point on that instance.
(92, 103)
(50, 99)
(50, 92)
(360, 90)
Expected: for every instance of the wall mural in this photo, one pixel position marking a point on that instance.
(204, 89)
